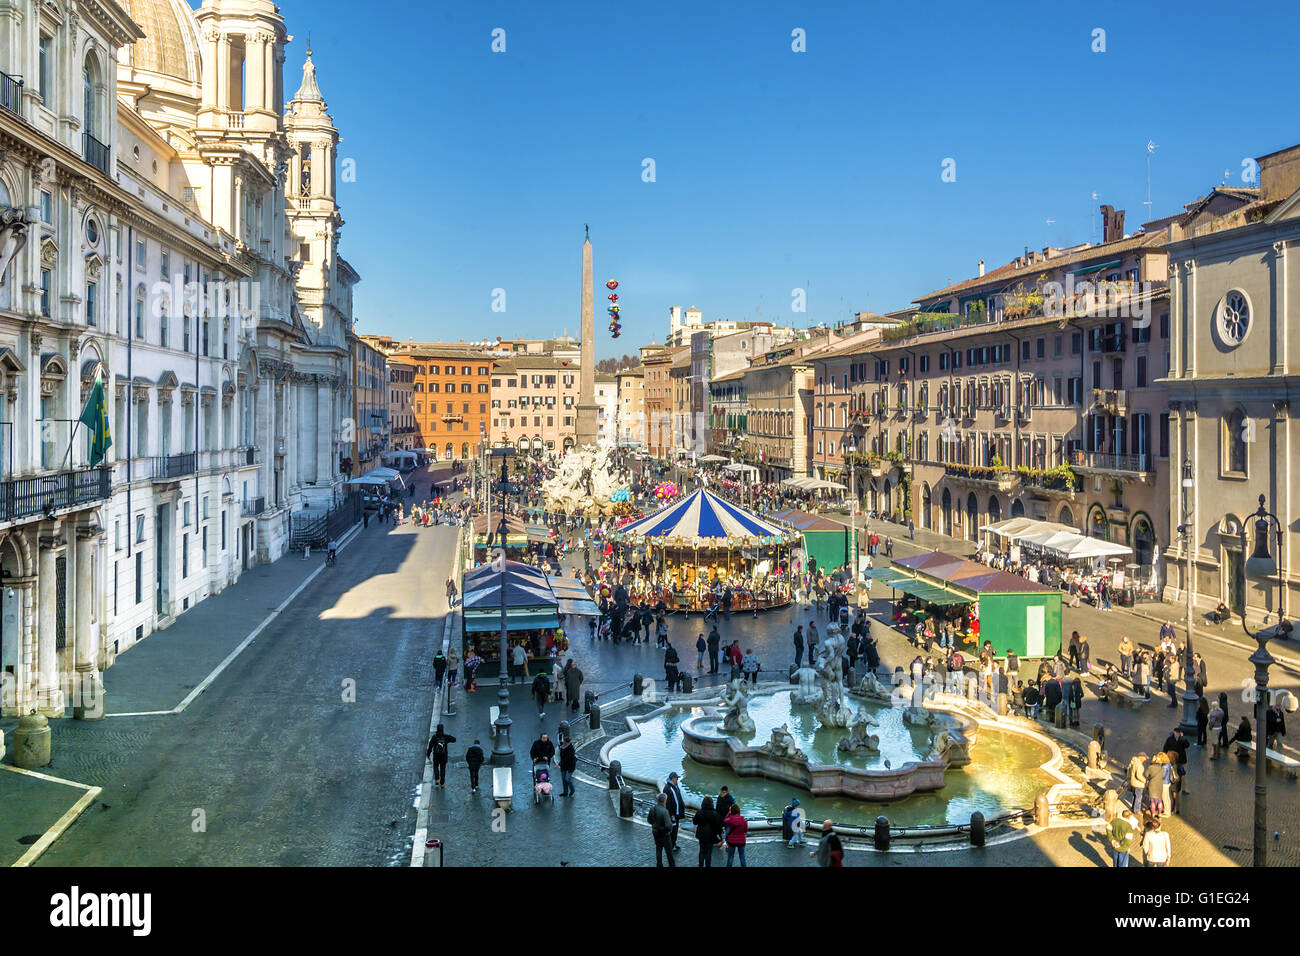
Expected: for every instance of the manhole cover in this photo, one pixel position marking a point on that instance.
(29, 839)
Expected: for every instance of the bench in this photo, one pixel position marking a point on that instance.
(503, 787)
(1280, 762)
(1119, 695)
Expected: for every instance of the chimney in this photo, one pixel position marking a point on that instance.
(1112, 224)
(981, 267)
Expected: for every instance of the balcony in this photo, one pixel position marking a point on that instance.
(250, 456)
(1112, 400)
(1132, 466)
(982, 476)
(172, 467)
(1025, 414)
(95, 153)
(11, 94)
(859, 414)
(1003, 414)
(921, 411)
(451, 417)
(253, 508)
(46, 494)
(1112, 342)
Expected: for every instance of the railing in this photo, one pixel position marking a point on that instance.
(251, 509)
(250, 456)
(24, 497)
(234, 121)
(1113, 342)
(1113, 400)
(95, 152)
(176, 466)
(317, 530)
(1137, 464)
(11, 93)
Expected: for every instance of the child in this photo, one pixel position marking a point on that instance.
(794, 823)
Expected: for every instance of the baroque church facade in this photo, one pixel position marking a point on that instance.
(169, 226)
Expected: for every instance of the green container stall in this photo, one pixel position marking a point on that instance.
(825, 540)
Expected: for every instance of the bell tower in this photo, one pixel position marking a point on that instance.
(243, 53)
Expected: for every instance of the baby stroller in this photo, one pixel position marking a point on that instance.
(542, 783)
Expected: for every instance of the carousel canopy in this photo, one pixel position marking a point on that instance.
(701, 515)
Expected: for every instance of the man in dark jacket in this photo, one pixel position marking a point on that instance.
(437, 750)
(798, 647)
(661, 825)
(543, 751)
(541, 692)
(675, 804)
(1051, 696)
(708, 830)
(568, 764)
(670, 667)
(714, 641)
(572, 683)
(474, 760)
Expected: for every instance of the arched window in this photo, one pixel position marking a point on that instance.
(464, 449)
(995, 509)
(972, 516)
(90, 97)
(946, 505)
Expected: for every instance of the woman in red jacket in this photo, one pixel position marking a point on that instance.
(737, 826)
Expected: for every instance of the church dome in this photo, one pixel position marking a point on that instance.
(171, 43)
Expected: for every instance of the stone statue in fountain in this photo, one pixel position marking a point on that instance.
(783, 744)
(585, 480)
(832, 711)
(871, 687)
(736, 720)
(858, 740)
(808, 691)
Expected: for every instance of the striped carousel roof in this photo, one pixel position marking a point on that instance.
(701, 515)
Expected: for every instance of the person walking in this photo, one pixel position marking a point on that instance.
(1223, 732)
(661, 825)
(750, 666)
(735, 655)
(541, 692)
(1074, 651)
(793, 824)
(519, 658)
(708, 830)
(1137, 779)
(439, 667)
(830, 851)
(798, 647)
(1156, 847)
(542, 750)
(568, 765)
(1274, 727)
(474, 759)
(572, 683)
(1085, 655)
(451, 591)
(737, 829)
(1202, 721)
(675, 804)
(1123, 835)
(437, 752)
(453, 666)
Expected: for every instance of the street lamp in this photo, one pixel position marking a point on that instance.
(1261, 564)
(1190, 697)
(848, 449)
(502, 753)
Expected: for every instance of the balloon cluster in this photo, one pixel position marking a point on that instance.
(621, 495)
(614, 326)
(665, 489)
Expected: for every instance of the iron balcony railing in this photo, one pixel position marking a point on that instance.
(1099, 461)
(253, 508)
(96, 153)
(176, 466)
(11, 93)
(25, 497)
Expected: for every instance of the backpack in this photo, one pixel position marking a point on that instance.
(787, 822)
(440, 746)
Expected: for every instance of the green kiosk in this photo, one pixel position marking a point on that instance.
(826, 541)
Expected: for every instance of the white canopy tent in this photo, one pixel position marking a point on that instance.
(738, 469)
(399, 453)
(1014, 529)
(378, 476)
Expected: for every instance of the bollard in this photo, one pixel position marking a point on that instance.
(1042, 810)
(1094, 755)
(971, 685)
(625, 805)
(1058, 716)
(429, 846)
(448, 701)
(615, 771)
(1111, 805)
(880, 837)
(593, 721)
(32, 742)
(1002, 705)
(638, 685)
(853, 677)
(588, 701)
(977, 829)
(1099, 735)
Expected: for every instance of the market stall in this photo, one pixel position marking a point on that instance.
(825, 541)
(532, 614)
(489, 526)
(1012, 612)
(691, 550)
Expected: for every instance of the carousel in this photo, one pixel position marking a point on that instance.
(690, 552)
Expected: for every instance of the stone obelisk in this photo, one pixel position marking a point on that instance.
(587, 406)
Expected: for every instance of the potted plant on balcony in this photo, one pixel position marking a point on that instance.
(1007, 480)
(878, 466)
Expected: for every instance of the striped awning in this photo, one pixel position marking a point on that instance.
(701, 515)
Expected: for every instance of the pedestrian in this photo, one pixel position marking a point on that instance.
(708, 830)
(1155, 778)
(812, 639)
(701, 648)
(830, 852)
(793, 824)
(474, 759)
(1137, 779)
(661, 825)
(723, 803)
(519, 658)
(572, 683)
(735, 655)
(675, 804)
(439, 667)
(1074, 651)
(1125, 656)
(451, 591)
(542, 751)
(1223, 732)
(1143, 679)
(1123, 835)
(750, 666)
(568, 764)
(541, 692)
(437, 751)
(661, 632)
(1274, 727)
(1085, 654)
(1242, 734)
(798, 647)
(1202, 721)
(453, 666)
(671, 661)
(1215, 722)
(737, 829)
(715, 639)
(889, 547)
(1156, 848)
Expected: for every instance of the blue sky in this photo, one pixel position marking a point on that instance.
(775, 170)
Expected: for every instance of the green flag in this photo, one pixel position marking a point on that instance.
(95, 417)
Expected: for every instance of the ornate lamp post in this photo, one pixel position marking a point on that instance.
(502, 753)
(1261, 564)
(1190, 698)
(848, 449)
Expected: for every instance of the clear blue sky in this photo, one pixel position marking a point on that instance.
(775, 170)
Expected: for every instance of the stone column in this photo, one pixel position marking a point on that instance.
(89, 702)
(255, 96)
(49, 692)
(326, 422)
(586, 411)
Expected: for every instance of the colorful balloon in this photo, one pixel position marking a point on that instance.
(611, 284)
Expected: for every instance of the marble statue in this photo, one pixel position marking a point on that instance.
(584, 483)
(808, 691)
(832, 711)
(736, 720)
(783, 744)
(858, 740)
(871, 687)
